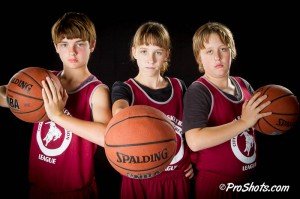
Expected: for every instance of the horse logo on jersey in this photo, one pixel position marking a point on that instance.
(244, 147)
(249, 142)
(52, 139)
(53, 133)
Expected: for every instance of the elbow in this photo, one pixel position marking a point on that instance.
(192, 145)
(194, 140)
(191, 141)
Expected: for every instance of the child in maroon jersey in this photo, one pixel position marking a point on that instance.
(151, 51)
(219, 113)
(61, 162)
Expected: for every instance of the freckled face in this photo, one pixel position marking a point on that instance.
(215, 57)
(150, 58)
(74, 52)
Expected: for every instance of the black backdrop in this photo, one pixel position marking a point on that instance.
(267, 44)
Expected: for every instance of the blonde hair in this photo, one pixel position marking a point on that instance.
(202, 34)
(73, 25)
(155, 34)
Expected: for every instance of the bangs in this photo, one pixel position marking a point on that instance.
(206, 34)
(71, 32)
(152, 38)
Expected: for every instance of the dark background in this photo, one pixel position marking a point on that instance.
(267, 42)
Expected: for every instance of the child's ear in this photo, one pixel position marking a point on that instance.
(92, 46)
(133, 52)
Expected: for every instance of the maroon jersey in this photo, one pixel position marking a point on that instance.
(61, 161)
(173, 108)
(232, 161)
(172, 183)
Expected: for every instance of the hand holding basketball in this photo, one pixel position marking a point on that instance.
(24, 94)
(251, 110)
(54, 99)
(284, 107)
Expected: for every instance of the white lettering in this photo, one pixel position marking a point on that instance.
(251, 187)
(47, 159)
(68, 135)
(171, 168)
(234, 140)
(249, 166)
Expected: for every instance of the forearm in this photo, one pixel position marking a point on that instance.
(91, 131)
(198, 139)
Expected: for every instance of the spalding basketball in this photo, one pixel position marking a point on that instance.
(284, 107)
(24, 94)
(140, 142)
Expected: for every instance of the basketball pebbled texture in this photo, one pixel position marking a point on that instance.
(24, 94)
(284, 107)
(140, 142)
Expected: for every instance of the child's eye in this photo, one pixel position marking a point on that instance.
(209, 52)
(224, 49)
(62, 45)
(81, 44)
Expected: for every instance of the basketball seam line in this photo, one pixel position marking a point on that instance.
(145, 143)
(265, 90)
(272, 125)
(130, 117)
(281, 97)
(39, 99)
(33, 79)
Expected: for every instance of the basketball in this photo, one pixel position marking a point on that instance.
(140, 142)
(24, 94)
(284, 107)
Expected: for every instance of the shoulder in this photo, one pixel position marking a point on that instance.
(99, 86)
(100, 95)
(120, 85)
(241, 79)
(247, 84)
(197, 86)
(180, 82)
(197, 91)
(121, 90)
(101, 90)
(95, 84)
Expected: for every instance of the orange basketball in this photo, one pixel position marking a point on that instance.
(284, 107)
(140, 142)
(24, 94)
